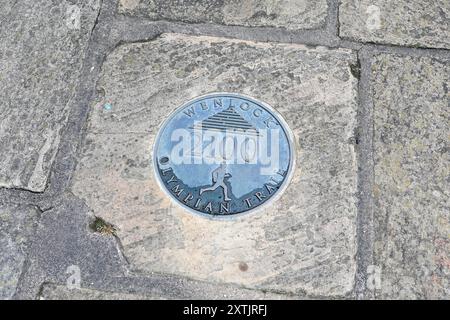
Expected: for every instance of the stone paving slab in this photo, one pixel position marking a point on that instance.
(59, 292)
(129, 290)
(41, 51)
(17, 225)
(289, 14)
(412, 167)
(65, 249)
(418, 23)
(303, 243)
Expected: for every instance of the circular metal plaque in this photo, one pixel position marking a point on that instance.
(223, 154)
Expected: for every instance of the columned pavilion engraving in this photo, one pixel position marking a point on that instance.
(227, 120)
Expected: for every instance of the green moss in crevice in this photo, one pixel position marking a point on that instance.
(101, 226)
(355, 69)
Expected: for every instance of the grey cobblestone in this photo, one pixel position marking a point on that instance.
(289, 14)
(412, 245)
(42, 50)
(418, 23)
(17, 224)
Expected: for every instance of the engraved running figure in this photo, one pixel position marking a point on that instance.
(218, 179)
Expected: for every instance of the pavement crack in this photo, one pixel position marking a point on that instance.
(97, 17)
